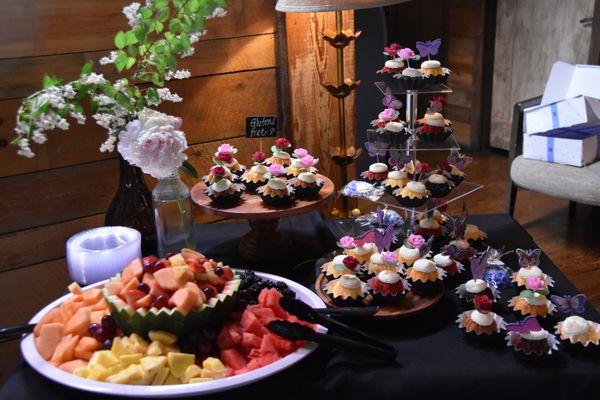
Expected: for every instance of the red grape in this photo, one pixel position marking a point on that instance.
(143, 287)
(93, 328)
(209, 292)
(160, 302)
(100, 335)
(219, 271)
(108, 325)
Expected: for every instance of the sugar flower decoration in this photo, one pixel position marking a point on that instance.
(258, 157)
(389, 114)
(276, 169)
(226, 149)
(282, 143)
(218, 171)
(406, 53)
(483, 303)
(347, 242)
(534, 283)
(415, 241)
(350, 262)
(224, 157)
(392, 50)
(389, 257)
(309, 161)
(300, 152)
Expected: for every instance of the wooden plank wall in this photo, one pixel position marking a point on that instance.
(69, 185)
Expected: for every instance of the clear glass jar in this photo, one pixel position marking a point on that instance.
(173, 215)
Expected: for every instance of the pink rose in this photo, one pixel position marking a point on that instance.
(282, 143)
(388, 114)
(406, 53)
(226, 149)
(347, 242)
(276, 169)
(300, 152)
(389, 257)
(218, 171)
(258, 156)
(416, 241)
(392, 49)
(534, 283)
(225, 157)
(308, 160)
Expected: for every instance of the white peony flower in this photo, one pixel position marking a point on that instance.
(154, 143)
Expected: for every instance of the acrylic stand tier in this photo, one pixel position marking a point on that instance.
(414, 145)
(263, 240)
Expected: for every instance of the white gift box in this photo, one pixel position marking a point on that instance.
(571, 148)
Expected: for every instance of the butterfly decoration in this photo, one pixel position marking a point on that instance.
(479, 263)
(399, 158)
(367, 237)
(496, 255)
(570, 304)
(390, 101)
(529, 258)
(426, 247)
(529, 324)
(383, 240)
(429, 47)
(460, 161)
(377, 148)
(458, 227)
(456, 253)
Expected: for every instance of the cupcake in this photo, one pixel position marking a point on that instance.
(576, 329)
(450, 266)
(256, 175)
(534, 303)
(395, 180)
(306, 185)
(387, 287)
(390, 69)
(302, 162)
(225, 157)
(475, 287)
(225, 193)
(377, 173)
(384, 261)
(481, 322)
(474, 235)
(453, 173)
(347, 290)
(280, 156)
(388, 122)
(410, 78)
(530, 338)
(460, 250)
(433, 127)
(531, 273)
(428, 227)
(276, 192)
(410, 251)
(211, 178)
(424, 277)
(437, 74)
(438, 185)
(362, 253)
(414, 194)
(339, 266)
(412, 172)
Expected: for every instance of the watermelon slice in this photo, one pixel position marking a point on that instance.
(233, 359)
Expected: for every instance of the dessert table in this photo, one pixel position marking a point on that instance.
(434, 361)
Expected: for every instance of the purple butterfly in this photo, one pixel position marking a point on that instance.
(479, 264)
(377, 149)
(530, 257)
(384, 240)
(379, 216)
(457, 254)
(367, 237)
(460, 161)
(529, 324)
(390, 101)
(426, 247)
(429, 47)
(458, 227)
(399, 158)
(570, 305)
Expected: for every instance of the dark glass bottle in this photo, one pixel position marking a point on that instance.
(132, 206)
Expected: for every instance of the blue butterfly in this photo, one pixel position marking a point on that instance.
(570, 305)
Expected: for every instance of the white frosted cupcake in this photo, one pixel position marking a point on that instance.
(376, 173)
(347, 290)
(577, 329)
(524, 273)
(385, 261)
(425, 277)
(395, 180)
(362, 253)
(532, 303)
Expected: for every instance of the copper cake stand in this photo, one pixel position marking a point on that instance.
(263, 241)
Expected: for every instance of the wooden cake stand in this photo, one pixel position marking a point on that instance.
(264, 240)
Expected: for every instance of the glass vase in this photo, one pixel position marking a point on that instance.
(173, 215)
(132, 206)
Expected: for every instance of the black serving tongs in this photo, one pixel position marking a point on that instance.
(15, 332)
(368, 344)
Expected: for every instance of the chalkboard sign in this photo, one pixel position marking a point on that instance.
(261, 126)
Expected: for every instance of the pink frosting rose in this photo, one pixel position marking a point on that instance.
(406, 53)
(388, 114)
(308, 160)
(389, 257)
(534, 283)
(392, 49)
(276, 169)
(300, 152)
(226, 148)
(347, 242)
(416, 241)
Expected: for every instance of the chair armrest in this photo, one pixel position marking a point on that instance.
(516, 135)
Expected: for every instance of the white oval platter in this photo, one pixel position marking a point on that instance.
(33, 358)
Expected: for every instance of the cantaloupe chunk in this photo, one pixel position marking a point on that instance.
(67, 309)
(173, 278)
(114, 287)
(65, 349)
(74, 288)
(132, 284)
(52, 316)
(88, 344)
(76, 299)
(192, 254)
(92, 296)
(79, 322)
(50, 337)
(96, 317)
(200, 296)
(184, 299)
(149, 279)
(145, 301)
(101, 305)
(82, 354)
(133, 270)
(71, 366)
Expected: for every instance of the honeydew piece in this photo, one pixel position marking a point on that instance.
(92, 296)
(99, 373)
(128, 375)
(193, 371)
(199, 380)
(49, 337)
(74, 288)
(161, 376)
(131, 285)
(172, 380)
(162, 337)
(64, 350)
(127, 359)
(184, 300)
(134, 270)
(71, 366)
(79, 322)
(104, 358)
(153, 363)
(82, 372)
(179, 362)
(177, 260)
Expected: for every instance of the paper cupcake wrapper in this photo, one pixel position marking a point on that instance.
(466, 316)
(516, 278)
(329, 287)
(591, 337)
(461, 290)
(512, 337)
(441, 274)
(235, 188)
(406, 287)
(527, 309)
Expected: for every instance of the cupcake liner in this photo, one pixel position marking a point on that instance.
(591, 337)
(426, 288)
(516, 278)
(437, 79)
(434, 137)
(277, 201)
(518, 303)
(390, 81)
(252, 186)
(438, 189)
(228, 200)
(414, 202)
(308, 192)
(461, 292)
(411, 83)
(427, 233)
(514, 340)
(464, 322)
(381, 298)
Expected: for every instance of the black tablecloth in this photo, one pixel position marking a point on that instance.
(435, 359)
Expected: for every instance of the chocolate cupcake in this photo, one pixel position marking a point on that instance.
(438, 185)
(255, 177)
(306, 185)
(390, 70)
(414, 194)
(434, 128)
(395, 180)
(454, 174)
(424, 277)
(224, 193)
(530, 338)
(428, 227)
(475, 287)
(347, 290)
(387, 287)
(376, 173)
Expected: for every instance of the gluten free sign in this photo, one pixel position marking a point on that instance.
(261, 126)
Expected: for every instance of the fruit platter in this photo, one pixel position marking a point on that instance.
(178, 326)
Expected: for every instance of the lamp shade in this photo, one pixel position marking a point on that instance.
(331, 5)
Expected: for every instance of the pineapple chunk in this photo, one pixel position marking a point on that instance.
(177, 260)
(138, 343)
(172, 380)
(82, 372)
(199, 380)
(128, 375)
(104, 358)
(213, 364)
(153, 363)
(146, 378)
(128, 359)
(161, 375)
(115, 369)
(98, 373)
(193, 371)
(160, 349)
(179, 362)
(162, 337)
(119, 346)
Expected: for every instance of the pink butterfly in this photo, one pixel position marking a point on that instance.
(529, 324)
(383, 241)
(390, 101)
(458, 160)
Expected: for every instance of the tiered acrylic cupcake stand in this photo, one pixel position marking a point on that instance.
(264, 240)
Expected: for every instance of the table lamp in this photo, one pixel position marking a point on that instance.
(343, 156)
